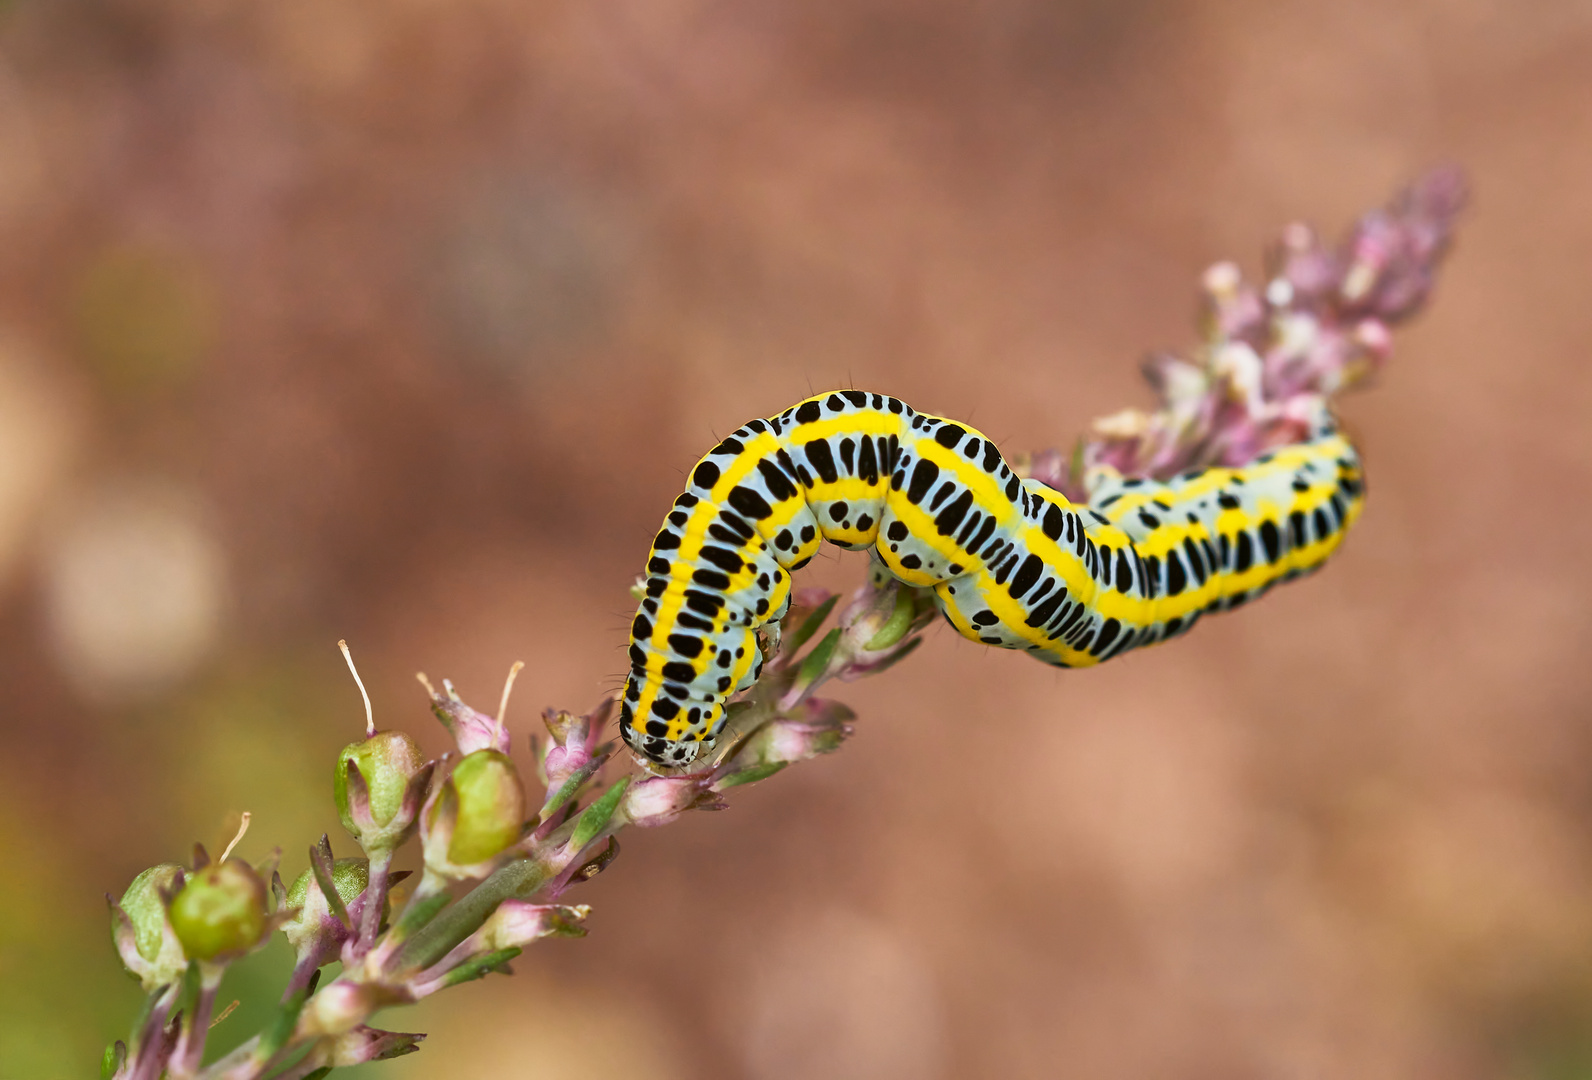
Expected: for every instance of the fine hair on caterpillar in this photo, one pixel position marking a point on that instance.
(1011, 561)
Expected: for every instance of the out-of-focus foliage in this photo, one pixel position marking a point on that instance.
(146, 318)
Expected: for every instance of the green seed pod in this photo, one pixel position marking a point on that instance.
(491, 806)
(379, 808)
(155, 955)
(349, 878)
(221, 911)
(315, 926)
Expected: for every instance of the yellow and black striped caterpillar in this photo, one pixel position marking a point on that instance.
(1011, 561)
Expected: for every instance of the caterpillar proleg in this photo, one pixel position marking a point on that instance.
(1012, 562)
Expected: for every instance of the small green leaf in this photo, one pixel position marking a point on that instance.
(890, 662)
(810, 625)
(318, 1074)
(321, 866)
(115, 1058)
(814, 663)
(478, 967)
(567, 790)
(896, 626)
(400, 1043)
(595, 817)
(752, 775)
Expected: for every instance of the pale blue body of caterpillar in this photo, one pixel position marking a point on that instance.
(1012, 563)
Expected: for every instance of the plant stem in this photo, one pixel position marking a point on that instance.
(149, 1043)
(520, 878)
(196, 1027)
(375, 900)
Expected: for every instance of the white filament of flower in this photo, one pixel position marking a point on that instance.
(508, 687)
(243, 827)
(370, 717)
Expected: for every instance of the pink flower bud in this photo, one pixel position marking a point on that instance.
(1321, 324)
(1051, 468)
(342, 1006)
(517, 923)
(471, 730)
(572, 744)
(1302, 271)
(1232, 309)
(880, 626)
(658, 800)
(364, 1044)
(812, 728)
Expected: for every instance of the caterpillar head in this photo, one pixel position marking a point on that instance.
(655, 750)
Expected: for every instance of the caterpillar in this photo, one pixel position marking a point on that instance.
(1011, 561)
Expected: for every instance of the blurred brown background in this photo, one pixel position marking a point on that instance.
(401, 321)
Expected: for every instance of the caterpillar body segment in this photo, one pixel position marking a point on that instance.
(1012, 562)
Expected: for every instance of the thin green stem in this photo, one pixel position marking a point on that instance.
(520, 878)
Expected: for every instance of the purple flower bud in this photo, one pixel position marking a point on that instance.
(658, 800)
(818, 727)
(879, 627)
(1232, 310)
(345, 1005)
(1270, 357)
(514, 925)
(1051, 468)
(220, 911)
(364, 1044)
(572, 745)
(517, 923)
(1374, 340)
(1392, 254)
(1302, 272)
(144, 937)
(811, 728)
(378, 788)
(1182, 386)
(471, 730)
